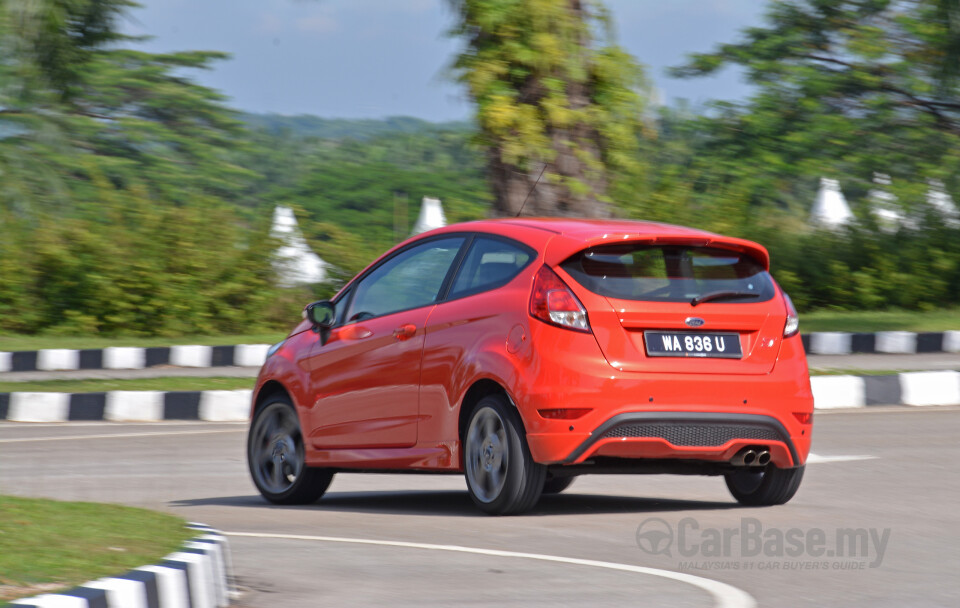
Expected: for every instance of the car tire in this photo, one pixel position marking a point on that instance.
(276, 458)
(502, 477)
(764, 487)
(555, 485)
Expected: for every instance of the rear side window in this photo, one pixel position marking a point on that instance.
(489, 264)
(670, 273)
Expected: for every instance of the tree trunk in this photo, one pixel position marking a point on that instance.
(553, 196)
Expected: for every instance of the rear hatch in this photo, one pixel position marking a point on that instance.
(679, 307)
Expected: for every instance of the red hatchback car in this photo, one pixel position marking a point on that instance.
(524, 352)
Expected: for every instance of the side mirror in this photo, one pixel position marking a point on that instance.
(322, 314)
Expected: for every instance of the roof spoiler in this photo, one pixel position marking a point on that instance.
(567, 247)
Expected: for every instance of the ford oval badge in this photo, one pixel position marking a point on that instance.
(694, 322)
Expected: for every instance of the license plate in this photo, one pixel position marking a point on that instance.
(684, 344)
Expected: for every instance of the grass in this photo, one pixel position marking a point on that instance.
(22, 342)
(883, 320)
(178, 383)
(46, 544)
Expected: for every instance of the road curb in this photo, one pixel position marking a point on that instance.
(253, 355)
(133, 357)
(127, 406)
(915, 389)
(199, 575)
(889, 342)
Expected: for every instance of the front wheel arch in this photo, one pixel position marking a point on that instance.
(271, 389)
(276, 456)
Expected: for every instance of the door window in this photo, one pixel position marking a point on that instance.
(410, 279)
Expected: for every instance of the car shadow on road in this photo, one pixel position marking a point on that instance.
(458, 504)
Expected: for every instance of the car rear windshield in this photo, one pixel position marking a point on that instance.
(670, 273)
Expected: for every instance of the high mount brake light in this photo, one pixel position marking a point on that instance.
(552, 301)
(792, 325)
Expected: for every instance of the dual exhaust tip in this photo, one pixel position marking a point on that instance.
(751, 457)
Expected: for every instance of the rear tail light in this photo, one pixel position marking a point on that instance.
(552, 301)
(792, 326)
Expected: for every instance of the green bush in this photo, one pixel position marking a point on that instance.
(859, 269)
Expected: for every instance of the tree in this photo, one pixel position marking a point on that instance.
(550, 101)
(850, 87)
(53, 39)
(353, 190)
(71, 99)
(843, 88)
(116, 184)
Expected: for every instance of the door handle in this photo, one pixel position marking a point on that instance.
(405, 332)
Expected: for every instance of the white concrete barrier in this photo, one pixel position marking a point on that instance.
(830, 343)
(39, 407)
(896, 342)
(250, 355)
(171, 586)
(218, 570)
(223, 544)
(134, 406)
(191, 356)
(225, 406)
(124, 357)
(53, 601)
(830, 392)
(930, 388)
(951, 342)
(121, 592)
(200, 572)
(53, 359)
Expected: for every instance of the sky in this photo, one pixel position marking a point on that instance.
(378, 58)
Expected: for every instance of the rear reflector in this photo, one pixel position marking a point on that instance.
(565, 413)
(553, 302)
(803, 417)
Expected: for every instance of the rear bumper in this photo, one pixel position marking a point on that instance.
(714, 436)
(663, 416)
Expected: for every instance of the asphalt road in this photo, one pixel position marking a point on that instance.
(881, 362)
(906, 494)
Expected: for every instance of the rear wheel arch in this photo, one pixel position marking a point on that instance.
(477, 391)
(502, 477)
